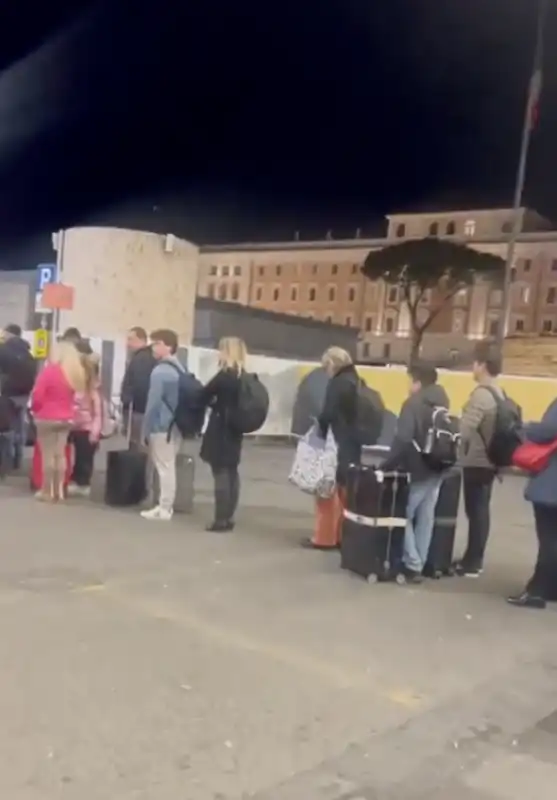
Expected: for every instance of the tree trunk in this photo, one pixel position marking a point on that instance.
(416, 346)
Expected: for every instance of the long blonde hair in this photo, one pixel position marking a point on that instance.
(232, 353)
(91, 366)
(66, 355)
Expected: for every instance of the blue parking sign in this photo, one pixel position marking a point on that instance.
(46, 273)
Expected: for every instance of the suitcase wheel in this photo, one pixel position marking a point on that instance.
(437, 574)
(373, 578)
(401, 579)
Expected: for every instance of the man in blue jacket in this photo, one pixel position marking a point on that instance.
(159, 433)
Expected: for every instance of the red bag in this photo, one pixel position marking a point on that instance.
(37, 467)
(532, 457)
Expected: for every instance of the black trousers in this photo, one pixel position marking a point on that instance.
(543, 582)
(477, 484)
(84, 458)
(227, 492)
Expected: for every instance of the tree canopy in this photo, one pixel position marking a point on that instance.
(418, 265)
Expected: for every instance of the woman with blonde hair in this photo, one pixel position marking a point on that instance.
(222, 443)
(86, 434)
(53, 409)
(339, 415)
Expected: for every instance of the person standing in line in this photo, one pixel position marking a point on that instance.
(53, 408)
(415, 419)
(135, 385)
(86, 434)
(477, 426)
(73, 336)
(18, 370)
(159, 432)
(221, 447)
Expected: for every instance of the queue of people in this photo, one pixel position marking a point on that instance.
(481, 444)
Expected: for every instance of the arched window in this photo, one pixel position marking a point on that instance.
(222, 291)
(451, 229)
(434, 229)
(234, 292)
(401, 230)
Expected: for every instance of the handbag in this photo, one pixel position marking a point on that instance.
(532, 457)
(315, 464)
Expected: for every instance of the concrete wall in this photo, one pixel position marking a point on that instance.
(123, 278)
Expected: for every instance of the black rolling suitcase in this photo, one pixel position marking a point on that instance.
(440, 557)
(374, 522)
(126, 478)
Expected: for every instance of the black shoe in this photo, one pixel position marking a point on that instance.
(411, 576)
(464, 571)
(527, 600)
(219, 526)
(308, 544)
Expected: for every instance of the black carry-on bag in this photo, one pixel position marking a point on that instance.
(126, 475)
(374, 522)
(440, 557)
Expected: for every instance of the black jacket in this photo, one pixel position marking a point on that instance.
(135, 386)
(340, 414)
(413, 422)
(222, 446)
(17, 365)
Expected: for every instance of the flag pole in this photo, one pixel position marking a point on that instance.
(534, 89)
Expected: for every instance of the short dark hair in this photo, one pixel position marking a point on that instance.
(167, 337)
(140, 332)
(71, 334)
(14, 329)
(489, 355)
(422, 372)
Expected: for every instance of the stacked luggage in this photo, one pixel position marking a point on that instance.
(375, 521)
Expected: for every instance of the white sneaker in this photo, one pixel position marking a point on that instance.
(157, 514)
(78, 491)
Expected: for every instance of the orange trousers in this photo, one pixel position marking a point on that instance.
(328, 519)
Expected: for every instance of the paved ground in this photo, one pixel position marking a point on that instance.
(148, 662)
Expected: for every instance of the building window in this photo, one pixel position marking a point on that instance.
(334, 269)
(496, 297)
(351, 294)
(261, 271)
(493, 327)
(386, 351)
(225, 272)
(434, 229)
(354, 269)
(314, 269)
(524, 296)
(258, 293)
(328, 318)
(513, 274)
(369, 324)
(458, 322)
(276, 294)
(234, 291)
(393, 295)
(211, 290)
(469, 227)
(294, 293)
(278, 270)
(237, 271)
(349, 321)
(547, 326)
(507, 227)
(554, 265)
(222, 291)
(527, 264)
(332, 294)
(389, 325)
(213, 270)
(400, 230)
(519, 325)
(451, 229)
(551, 296)
(311, 295)
(365, 350)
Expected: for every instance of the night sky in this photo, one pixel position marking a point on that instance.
(224, 120)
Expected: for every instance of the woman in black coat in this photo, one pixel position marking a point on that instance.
(340, 416)
(221, 447)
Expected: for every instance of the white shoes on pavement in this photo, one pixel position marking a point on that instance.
(157, 514)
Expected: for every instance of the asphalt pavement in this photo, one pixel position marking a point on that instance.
(151, 661)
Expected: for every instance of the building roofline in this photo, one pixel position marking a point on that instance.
(446, 212)
(357, 244)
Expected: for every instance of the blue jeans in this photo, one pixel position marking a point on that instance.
(420, 519)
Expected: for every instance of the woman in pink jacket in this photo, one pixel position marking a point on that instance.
(53, 409)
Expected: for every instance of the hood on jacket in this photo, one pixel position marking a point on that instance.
(434, 395)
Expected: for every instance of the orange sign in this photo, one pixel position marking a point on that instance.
(57, 297)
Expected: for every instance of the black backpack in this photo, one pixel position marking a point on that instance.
(189, 415)
(370, 414)
(7, 414)
(20, 374)
(507, 431)
(440, 447)
(253, 405)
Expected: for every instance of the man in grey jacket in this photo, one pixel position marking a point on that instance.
(158, 431)
(414, 421)
(477, 426)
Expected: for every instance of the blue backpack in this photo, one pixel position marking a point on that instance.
(189, 415)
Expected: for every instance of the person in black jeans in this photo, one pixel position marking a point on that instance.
(222, 445)
(478, 473)
(541, 491)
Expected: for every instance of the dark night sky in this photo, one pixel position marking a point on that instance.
(250, 120)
